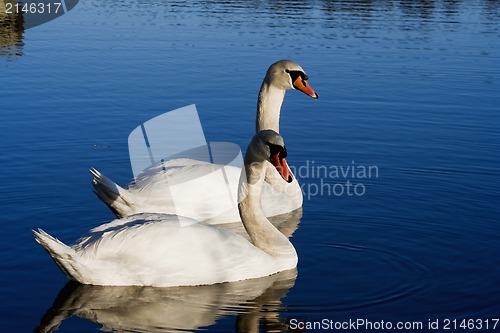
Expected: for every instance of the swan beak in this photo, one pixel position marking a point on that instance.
(282, 167)
(302, 85)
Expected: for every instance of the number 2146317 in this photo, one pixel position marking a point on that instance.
(33, 8)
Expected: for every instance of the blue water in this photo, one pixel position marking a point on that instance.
(408, 88)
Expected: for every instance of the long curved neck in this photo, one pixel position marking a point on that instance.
(263, 234)
(269, 107)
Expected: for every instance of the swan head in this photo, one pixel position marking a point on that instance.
(286, 74)
(267, 150)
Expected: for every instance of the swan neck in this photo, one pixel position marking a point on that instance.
(262, 232)
(269, 107)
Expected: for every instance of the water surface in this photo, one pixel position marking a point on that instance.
(409, 88)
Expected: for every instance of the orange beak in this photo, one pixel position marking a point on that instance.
(302, 85)
(282, 167)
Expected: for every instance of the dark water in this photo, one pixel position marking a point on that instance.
(409, 93)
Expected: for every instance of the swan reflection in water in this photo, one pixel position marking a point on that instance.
(147, 309)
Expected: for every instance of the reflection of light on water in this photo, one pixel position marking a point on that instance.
(11, 31)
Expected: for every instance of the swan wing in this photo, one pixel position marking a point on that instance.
(164, 250)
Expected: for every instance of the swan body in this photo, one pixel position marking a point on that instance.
(151, 190)
(161, 250)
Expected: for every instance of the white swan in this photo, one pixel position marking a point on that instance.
(150, 192)
(164, 250)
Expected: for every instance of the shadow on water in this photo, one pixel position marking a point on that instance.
(11, 31)
(256, 303)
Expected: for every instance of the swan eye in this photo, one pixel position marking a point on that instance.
(296, 74)
(287, 70)
(277, 149)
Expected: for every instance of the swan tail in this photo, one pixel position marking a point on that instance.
(64, 256)
(113, 195)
